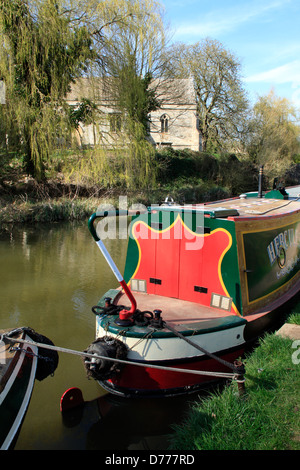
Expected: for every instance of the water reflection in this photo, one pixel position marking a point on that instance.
(123, 424)
(52, 272)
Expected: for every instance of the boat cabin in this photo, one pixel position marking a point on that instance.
(233, 256)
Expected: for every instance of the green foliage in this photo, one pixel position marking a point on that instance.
(85, 113)
(273, 137)
(225, 171)
(42, 53)
(127, 163)
(296, 158)
(134, 96)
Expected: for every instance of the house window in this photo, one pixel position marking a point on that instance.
(115, 122)
(164, 123)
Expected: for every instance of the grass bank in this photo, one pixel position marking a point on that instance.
(187, 177)
(20, 209)
(266, 418)
(18, 212)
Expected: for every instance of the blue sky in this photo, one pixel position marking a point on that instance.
(263, 34)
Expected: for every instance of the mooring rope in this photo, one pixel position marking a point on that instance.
(222, 375)
(207, 353)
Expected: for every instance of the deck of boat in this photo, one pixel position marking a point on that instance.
(174, 311)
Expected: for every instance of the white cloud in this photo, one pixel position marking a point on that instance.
(225, 20)
(288, 73)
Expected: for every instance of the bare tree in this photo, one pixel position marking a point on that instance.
(222, 102)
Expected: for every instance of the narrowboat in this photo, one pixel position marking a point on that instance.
(20, 364)
(201, 284)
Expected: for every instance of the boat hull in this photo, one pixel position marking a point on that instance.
(150, 382)
(16, 394)
(22, 362)
(150, 375)
(228, 341)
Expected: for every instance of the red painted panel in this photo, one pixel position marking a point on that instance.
(200, 267)
(140, 378)
(179, 260)
(159, 259)
(191, 254)
(167, 266)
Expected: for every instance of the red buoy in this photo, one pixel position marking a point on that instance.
(70, 399)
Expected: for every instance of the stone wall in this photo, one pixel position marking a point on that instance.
(175, 124)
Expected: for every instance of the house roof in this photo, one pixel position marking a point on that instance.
(177, 91)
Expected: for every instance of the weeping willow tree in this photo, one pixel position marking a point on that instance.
(129, 36)
(47, 45)
(42, 52)
(127, 164)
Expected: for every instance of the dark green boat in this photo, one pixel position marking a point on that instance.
(20, 364)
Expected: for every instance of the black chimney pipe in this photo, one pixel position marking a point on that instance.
(260, 180)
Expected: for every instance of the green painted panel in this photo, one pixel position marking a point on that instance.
(272, 259)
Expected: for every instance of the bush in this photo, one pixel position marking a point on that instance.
(224, 171)
(292, 175)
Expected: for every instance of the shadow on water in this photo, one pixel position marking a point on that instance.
(112, 423)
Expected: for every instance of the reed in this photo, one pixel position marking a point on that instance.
(62, 209)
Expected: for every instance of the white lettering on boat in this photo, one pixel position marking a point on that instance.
(281, 243)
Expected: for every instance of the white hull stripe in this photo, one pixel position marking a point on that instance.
(172, 348)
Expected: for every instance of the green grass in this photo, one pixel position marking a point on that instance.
(265, 418)
(295, 315)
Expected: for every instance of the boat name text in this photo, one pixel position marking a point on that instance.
(280, 244)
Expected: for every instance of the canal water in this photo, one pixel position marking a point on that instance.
(51, 276)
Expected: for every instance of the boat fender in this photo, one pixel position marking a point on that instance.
(107, 346)
(47, 359)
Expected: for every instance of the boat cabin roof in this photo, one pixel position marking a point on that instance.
(247, 205)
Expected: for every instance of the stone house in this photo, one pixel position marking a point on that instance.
(174, 124)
